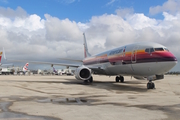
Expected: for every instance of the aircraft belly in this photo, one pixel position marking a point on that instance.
(136, 69)
(151, 68)
(119, 70)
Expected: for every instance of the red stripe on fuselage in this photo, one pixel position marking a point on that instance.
(139, 57)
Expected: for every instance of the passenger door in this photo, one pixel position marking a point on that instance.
(133, 58)
(134, 55)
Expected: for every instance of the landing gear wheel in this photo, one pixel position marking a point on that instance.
(85, 81)
(150, 85)
(153, 85)
(91, 79)
(117, 79)
(122, 79)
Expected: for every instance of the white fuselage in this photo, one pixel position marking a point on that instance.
(140, 59)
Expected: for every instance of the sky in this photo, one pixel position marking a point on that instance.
(45, 30)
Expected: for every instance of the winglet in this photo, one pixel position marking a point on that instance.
(86, 53)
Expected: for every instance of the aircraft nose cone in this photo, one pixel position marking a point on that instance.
(172, 61)
(175, 59)
(169, 61)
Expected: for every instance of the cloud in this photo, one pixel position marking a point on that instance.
(10, 13)
(124, 12)
(31, 37)
(61, 30)
(70, 1)
(110, 2)
(4, 1)
(67, 1)
(139, 21)
(171, 6)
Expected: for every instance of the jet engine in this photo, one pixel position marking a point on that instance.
(83, 73)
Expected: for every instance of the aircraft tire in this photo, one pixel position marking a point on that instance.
(117, 79)
(150, 85)
(153, 86)
(85, 81)
(91, 79)
(122, 79)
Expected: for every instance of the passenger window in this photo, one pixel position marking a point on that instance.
(159, 49)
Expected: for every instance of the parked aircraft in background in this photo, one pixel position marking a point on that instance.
(3, 65)
(143, 60)
(25, 68)
(1, 56)
(55, 71)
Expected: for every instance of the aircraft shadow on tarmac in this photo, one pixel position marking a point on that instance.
(131, 86)
(111, 85)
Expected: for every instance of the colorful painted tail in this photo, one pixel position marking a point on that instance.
(25, 68)
(54, 70)
(1, 56)
(86, 53)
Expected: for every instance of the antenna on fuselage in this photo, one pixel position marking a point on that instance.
(86, 53)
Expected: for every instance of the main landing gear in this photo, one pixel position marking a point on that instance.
(150, 85)
(90, 80)
(119, 78)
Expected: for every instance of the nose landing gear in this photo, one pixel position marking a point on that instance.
(150, 85)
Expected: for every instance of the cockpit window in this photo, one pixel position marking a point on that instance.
(166, 49)
(149, 50)
(159, 49)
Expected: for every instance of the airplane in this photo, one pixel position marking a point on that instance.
(2, 65)
(25, 68)
(142, 60)
(55, 71)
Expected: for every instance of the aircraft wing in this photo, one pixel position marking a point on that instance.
(97, 70)
(50, 63)
(10, 64)
(71, 59)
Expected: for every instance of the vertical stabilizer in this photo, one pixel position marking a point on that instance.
(25, 68)
(54, 70)
(1, 56)
(86, 53)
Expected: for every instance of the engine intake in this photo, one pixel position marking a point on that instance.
(82, 73)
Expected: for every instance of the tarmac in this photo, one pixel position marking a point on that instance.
(65, 98)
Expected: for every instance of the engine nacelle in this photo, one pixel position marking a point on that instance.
(83, 73)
